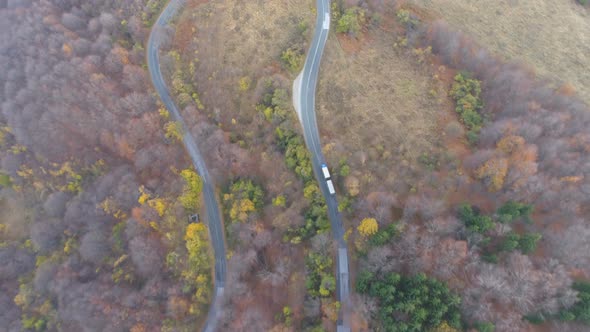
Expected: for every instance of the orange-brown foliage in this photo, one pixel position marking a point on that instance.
(493, 172)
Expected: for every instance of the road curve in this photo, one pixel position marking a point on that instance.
(214, 219)
(304, 89)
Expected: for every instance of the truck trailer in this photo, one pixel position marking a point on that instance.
(331, 187)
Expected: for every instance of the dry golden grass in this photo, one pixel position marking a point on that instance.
(373, 103)
(233, 40)
(553, 36)
(375, 96)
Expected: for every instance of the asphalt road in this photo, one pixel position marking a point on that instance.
(213, 215)
(304, 102)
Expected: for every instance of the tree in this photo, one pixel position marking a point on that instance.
(511, 242)
(320, 281)
(351, 21)
(512, 210)
(173, 131)
(328, 285)
(279, 201)
(197, 273)
(473, 220)
(466, 93)
(146, 255)
(580, 311)
(192, 189)
(510, 144)
(46, 235)
(383, 236)
(493, 172)
(528, 242)
(244, 198)
(368, 227)
(94, 247)
(485, 327)
(292, 59)
(444, 327)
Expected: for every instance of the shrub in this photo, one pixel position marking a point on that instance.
(34, 323)
(466, 93)
(344, 170)
(430, 161)
(345, 204)
(406, 18)
(490, 258)
(351, 21)
(292, 59)
(244, 83)
(535, 319)
(5, 180)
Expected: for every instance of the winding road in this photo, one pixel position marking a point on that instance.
(304, 89)
(213, 215)
(304, 100)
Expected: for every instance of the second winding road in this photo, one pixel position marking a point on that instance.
(213, 215)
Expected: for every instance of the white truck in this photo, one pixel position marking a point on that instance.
(325, 171)
(327, 178)
(331, 187)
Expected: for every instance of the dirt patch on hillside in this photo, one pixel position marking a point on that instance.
(550, 35)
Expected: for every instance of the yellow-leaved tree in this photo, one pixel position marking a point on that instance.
(173, 130)
(368, 227)
(243, 198)
(192, 189)
(493, 172)
(444, 327)
(198, 273)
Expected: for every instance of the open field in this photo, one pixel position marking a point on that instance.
(374, 102)
(552, 36)
(379, 108)
(231, 40)
(377, 95)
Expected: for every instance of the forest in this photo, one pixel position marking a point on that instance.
(473, 219)
(95, 194)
